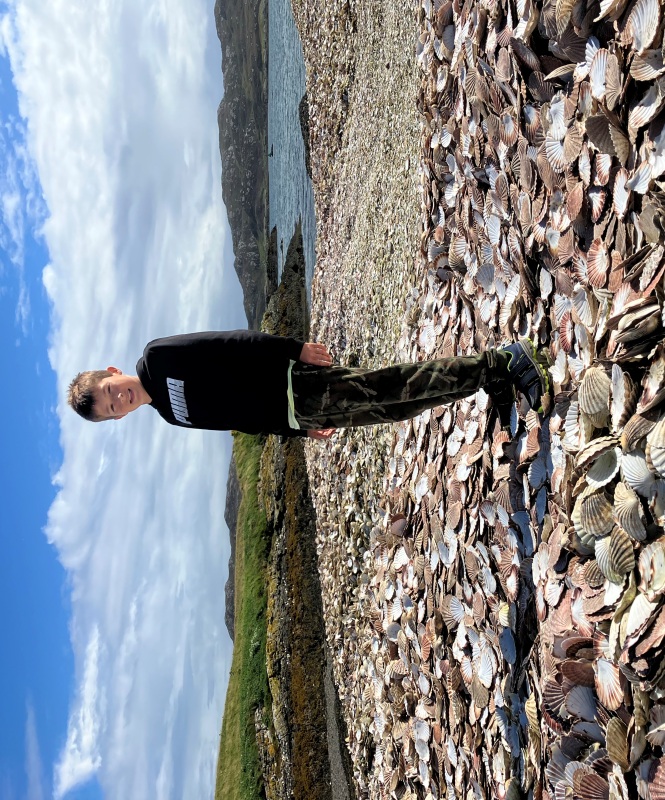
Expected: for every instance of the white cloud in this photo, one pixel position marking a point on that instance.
(33, 761)
(21, 207)
(120, 101)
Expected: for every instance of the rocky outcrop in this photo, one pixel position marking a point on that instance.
(233, 498)
(243, 142)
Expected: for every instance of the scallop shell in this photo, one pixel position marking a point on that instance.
(648, 66)
(604, 560)
(592, 574)
(508, 130)
(634, 431)
(656, 734)
(578, 671)
(628, 512)
(597, 72)
(622, 554)
(596, 197)
(656, 779)
(581, 703)
(608, 684)
(603, 166)
(656, 442)
(554, 150)
(596, 514)
(624, 397)
(598, 263)
(594, 393)
(585, 308)
(651, 566)
(643, 112)
(604, 468)
(642, 24)
(613, 82)
(636, 473)
(566, 332)
(641, 179)
(595, 449)
(572, 144)
(620, 194)
(616, 738)
(452, 611)
(427, 338)
(575, 200)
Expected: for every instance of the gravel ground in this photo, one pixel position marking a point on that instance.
(365, 135)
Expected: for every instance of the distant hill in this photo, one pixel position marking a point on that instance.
(242, 28)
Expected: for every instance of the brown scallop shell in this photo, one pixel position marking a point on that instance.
(636, 429)
(578, 672)
(596, 514)
(574, 200)
(622, 554)
(508, 129)
(656, 779)
(604, 560)
(594, 449)
(616, 742)
(566, 332)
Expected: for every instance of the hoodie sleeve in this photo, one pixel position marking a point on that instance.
(233, 349)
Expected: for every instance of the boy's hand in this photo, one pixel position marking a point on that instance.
(324, 434)
(316, 354)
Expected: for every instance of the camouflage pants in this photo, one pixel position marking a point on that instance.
(341, 397)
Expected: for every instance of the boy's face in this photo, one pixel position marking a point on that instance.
(118, 394)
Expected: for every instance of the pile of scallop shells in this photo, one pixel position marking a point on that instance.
(515, 589)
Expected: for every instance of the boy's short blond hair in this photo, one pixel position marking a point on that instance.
(81, 392)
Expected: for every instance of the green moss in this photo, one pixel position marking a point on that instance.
(238, 769)
(311, 768)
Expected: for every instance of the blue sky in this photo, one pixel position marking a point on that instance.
(114, 551)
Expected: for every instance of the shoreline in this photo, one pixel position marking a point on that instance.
(500, 557)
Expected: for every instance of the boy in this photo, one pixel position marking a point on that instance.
(257, 383)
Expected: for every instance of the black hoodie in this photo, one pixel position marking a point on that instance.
(221, 380)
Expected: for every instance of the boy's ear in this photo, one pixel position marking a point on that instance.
(114, 370)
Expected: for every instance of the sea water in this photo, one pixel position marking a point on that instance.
(291, 197)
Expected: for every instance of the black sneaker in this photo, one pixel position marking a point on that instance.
(503, 400)
(526, 373)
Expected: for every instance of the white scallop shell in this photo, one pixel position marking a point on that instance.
(636, 473)
(603, 469)
(628, 512)
(656, 442)
(597, 72)
(643, 23)
(584, 308)
(620, 194)
(651, 567)
(641, 179)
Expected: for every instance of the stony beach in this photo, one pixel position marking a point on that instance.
(493, 599)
